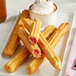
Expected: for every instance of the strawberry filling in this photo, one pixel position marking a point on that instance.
(33, 39)
(36, 52)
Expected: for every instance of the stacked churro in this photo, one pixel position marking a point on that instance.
(34, 34)
(14, 39)
(35, 43)
(39, 61)
(33, 49)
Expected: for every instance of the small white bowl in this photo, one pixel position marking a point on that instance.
(48, 19)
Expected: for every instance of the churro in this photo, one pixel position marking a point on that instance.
(32, 68)
(34, 34)
(33, 49)
(20, 58)
(50, 29)
(57, 35)
(14, 39)
(27, 23)
(47, 50)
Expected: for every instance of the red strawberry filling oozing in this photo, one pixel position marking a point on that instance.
(36, 52)
(33, 39)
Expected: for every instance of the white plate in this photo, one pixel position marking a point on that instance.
(46, 68)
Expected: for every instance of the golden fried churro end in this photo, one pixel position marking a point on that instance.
(10, 48)
(49, 30)
(20, 58)
(58, 34)
(35, 63)
(56, 62)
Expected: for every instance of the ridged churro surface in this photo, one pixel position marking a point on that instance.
(35, 31)
(47, 50)
(57, 35)
(20, 58)
(14, 39)
(49, 30)
(33, 49)
(36, 65)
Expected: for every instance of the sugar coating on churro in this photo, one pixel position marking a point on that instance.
(35, 31)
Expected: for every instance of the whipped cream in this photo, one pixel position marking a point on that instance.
(43, 7)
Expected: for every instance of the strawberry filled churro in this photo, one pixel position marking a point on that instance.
(22, 56)
(38, 62)
(34, 50)
(34, 34)
(47, 50)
